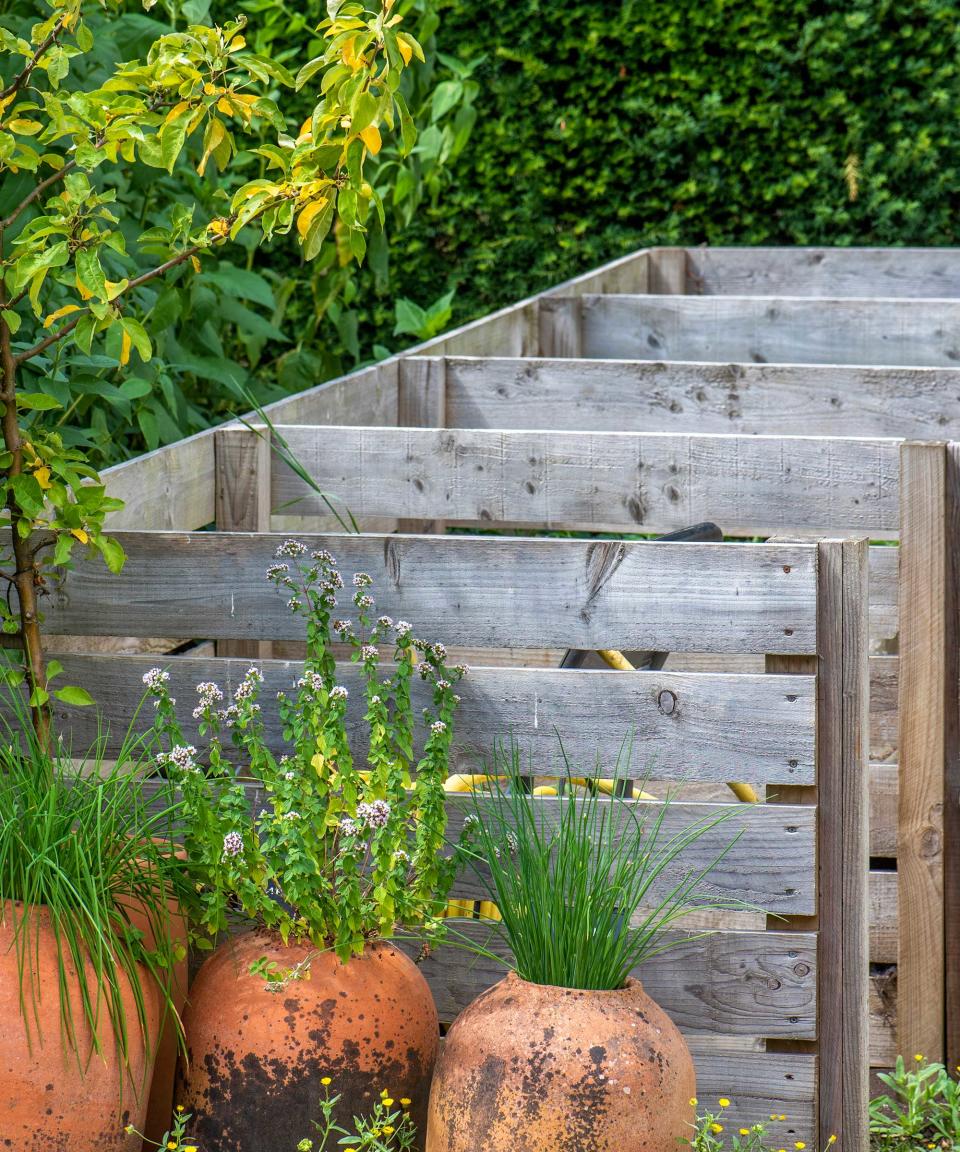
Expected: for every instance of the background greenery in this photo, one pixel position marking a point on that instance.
(552, 138)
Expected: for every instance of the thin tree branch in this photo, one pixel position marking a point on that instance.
(37, 193)
(18, 81)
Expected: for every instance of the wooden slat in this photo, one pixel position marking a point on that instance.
(883, 1018)
(560, 327)
(242, 459)
(951, 755)
(627, 481)
(421, 403)
(919, 272)
(758, 1084)
(923, 700)
(884, 593)
(884, 720)
(842, 841)
(882, 905)
(668, 271)
(727, 984)
(473, 591)
(757, 728)
(780, 329)
(684, 397)
(883, 810)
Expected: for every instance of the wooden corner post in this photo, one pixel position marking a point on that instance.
(922, 706)
(242, 480)
(951, 786)
(842, 842)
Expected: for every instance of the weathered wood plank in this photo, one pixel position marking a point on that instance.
(174, 487)
(918, 272)
(757, 728)
(842, 841)
(560, 327)
(882, 905)
(883, 1019)
(421, 403)
(781, 329)
(627, 481)
(242, 460)
(473, 591)
(657, 396)
(727, 984)
(759, 1084)
(883, 810)
(923, 701)
(668, 271)
(951, 775)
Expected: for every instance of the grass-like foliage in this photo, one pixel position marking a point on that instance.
(80, 851)
(587, 886)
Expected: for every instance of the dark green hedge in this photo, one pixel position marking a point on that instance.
(604, 127)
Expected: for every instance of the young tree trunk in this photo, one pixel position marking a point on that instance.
(26, 575)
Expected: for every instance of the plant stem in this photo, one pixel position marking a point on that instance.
(26, 575)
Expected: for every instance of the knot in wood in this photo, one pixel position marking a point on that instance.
(667, 702)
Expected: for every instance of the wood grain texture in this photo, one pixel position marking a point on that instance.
(560, 327)
(842, 839)
(756, 728)
(243, 498)
(951, 782)
(421, 403)
(781, 329)
(883, 810)
(727, 984)
(684, 397)
(668, 271)
(174, 487)
(471, 591)
(916, 272)
(923, 699)
(883, 914)
(654, 482)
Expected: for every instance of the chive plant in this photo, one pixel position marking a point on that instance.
(586, 885)
(80, 851)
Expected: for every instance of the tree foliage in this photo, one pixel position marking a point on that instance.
(83, 277)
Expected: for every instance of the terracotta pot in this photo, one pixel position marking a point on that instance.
(256, 1055)
(531, 1068)
(51, 1101)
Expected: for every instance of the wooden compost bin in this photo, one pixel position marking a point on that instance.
(218, 478)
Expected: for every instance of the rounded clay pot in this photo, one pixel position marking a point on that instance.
(532, 1068)
(256, 1055)
(51, 1101)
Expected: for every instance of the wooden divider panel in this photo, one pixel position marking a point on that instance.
(688, 397)
(905, 272)
(782, 329)
(627, 481)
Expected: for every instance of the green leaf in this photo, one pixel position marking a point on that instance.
(54, 668)
(72, 694)
(445, 96)
(90, 272)
(112, 553)
(138, 336)
(411, 318)
(11, 319)
(37, 401)
(38, 697)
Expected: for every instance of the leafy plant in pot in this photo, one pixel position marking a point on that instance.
(586, 889)
(87, 951)
(326, 863)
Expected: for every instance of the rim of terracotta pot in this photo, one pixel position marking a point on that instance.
(632, 985)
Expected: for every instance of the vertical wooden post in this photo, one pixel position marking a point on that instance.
(842, 842)
(922, 709)
(561, 327)
(951, 784)
(422, 403)
(242, 479)
(668, 272)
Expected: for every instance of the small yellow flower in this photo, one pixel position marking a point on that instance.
(190, 1148)
(405, 1101)
(384, 1094)
(387, 1102)
(387, 1130)
(693, 1101)
(129, 1129)
(744, 1131)
(325, 1081)
(179, 1107)
(799, 1145)
(717, 1128)
(773, 1115)
(833, 1139)
(781, 1117)
(723, 1102)
(172, 1144)
(918, 1056)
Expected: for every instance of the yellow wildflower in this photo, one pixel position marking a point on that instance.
(172, 1144)
(693, 1101)
(325, 1081)
(918, 1056)
(744, 1131)
(723, 1102)
(717, 1128)
(405, 1101)
(781, 1117)
(832, 1139)
(179, 1107)
(387, 1102)
(799, 1145)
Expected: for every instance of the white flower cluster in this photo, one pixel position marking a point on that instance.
(181, 756)
(311, 680)
(292, 549)
(362, 580)
(209, 695)
(369, 652)
(322, 556)
(156, 678)
(232, 845)
(338, 692)
(375, 814)
(342, 627)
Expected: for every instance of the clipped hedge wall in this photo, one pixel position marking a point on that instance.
(604, 127)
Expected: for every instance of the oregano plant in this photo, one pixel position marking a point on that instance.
(75, 267)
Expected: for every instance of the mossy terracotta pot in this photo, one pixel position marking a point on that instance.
(256, 1053)
(55, 1097)
(532, 1068)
